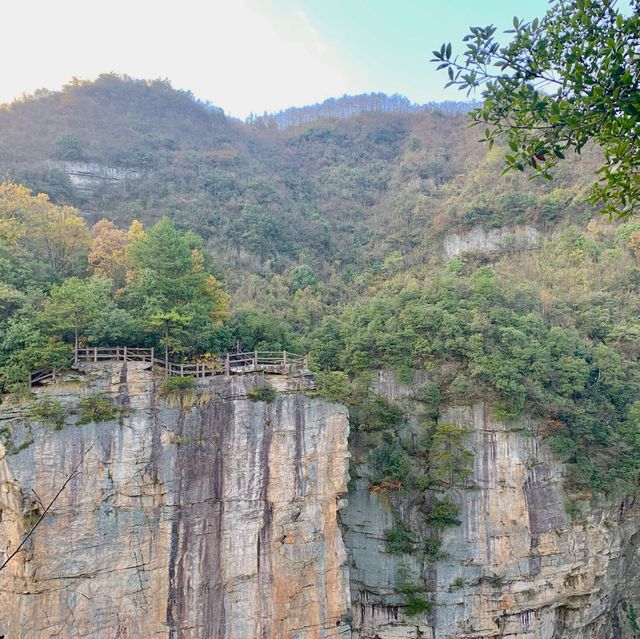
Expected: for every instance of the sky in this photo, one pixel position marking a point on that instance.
(245, 56)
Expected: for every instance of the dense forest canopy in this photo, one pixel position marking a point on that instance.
(325, 237)
(349, 105)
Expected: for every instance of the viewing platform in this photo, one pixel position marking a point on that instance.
(271, 362)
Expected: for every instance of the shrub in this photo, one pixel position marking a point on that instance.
(96, 408)
(415, 605)
(443, 513)
(388, 463)
(432, 549)
(263, 393)
(407, 584)
(50, 412)
(632, 615)
(377, 413)
(456, 584)
(400, 539)
(180, 392)
(178, 383)
(496, 581)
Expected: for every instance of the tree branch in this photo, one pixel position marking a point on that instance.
(46, 510)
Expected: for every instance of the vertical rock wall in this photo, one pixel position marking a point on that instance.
(516, 567)
(215, 521)
(221, 521)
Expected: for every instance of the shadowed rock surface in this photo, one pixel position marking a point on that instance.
(517, 566)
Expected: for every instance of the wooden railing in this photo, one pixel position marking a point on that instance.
(41, 375)
(279, 362)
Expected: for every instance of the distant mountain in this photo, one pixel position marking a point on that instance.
(349, 105)
(341, 185)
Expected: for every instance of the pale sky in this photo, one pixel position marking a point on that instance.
(244, 55)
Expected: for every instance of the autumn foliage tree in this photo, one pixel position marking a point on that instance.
(108, 252)
(41, 230)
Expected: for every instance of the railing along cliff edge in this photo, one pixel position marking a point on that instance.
(278, 362)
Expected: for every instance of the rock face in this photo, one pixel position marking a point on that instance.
(218, 520)
(516, 567)
(222, 521)
(515, 237)
(86, 176)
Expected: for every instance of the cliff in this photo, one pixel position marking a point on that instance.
(216, 516)
(517, 566)
(218, 520)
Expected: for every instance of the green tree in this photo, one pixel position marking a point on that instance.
(69, 147)
(172, 291)
(256, 331)
(562, 81)
(76, 305)
(302, 277)
(449, 461)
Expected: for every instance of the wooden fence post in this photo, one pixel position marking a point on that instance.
(152, 355)
(125, 353)
(227, 365)
(95, 353)
(255, 360)
(284, 357)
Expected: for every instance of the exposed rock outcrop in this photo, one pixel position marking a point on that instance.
(86, 176)
(491, 240)
(221, 520)
(516, 567)
(215, 521)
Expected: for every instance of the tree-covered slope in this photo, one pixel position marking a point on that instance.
(342, 191)
(329, 238)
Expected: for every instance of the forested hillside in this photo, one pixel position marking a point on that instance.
(326, 237)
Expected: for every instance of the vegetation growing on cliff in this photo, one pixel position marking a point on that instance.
(551, 334)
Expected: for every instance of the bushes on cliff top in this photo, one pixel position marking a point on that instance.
(553, 335)
(178, 383)
(333, 385)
